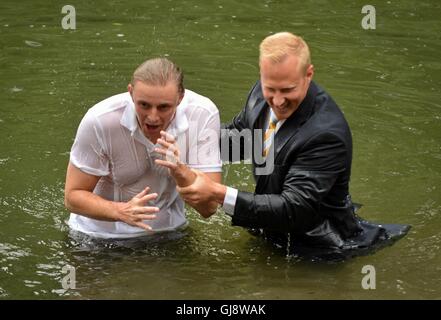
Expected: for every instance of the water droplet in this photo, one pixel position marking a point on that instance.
(33, 43)
(16, 89)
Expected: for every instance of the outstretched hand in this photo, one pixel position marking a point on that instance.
(135, 211)
(169, 149)
(196, 188)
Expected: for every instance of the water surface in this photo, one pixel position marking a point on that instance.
(385, 80)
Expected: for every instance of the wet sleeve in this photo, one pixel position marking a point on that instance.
(88, 152)
(205, 153)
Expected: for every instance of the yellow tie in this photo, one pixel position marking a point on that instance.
(269, 134)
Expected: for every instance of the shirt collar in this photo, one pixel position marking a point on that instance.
(270, 114)
(179, 124)
(128, 118)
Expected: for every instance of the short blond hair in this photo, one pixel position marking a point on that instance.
(158, 72)
(278, 46)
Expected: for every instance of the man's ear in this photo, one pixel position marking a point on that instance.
(181, 96)
(310, 72)
(130, 88)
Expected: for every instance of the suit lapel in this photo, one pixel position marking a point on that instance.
(258, 122)
(258, 113)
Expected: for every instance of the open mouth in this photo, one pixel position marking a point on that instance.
(282, 108)
(152, 127)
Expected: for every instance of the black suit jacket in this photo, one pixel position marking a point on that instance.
(306, 196)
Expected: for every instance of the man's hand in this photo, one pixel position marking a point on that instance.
(203, 190)
(135, 211)
(79, 198)
(182, 174)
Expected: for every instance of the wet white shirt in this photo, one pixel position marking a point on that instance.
(110, 144)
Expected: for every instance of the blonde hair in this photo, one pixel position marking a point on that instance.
(278, 46)
(159, 71)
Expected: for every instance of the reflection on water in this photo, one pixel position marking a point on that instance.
(386, 81)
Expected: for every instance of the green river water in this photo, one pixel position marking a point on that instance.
(387, 82)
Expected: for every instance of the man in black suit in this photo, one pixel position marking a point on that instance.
(301, 160)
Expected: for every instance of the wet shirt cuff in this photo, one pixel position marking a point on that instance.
(230, 201)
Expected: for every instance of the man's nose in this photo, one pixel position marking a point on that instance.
(278, 99)
(153, 115)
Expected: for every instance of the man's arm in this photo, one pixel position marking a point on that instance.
(307, 182)
(208, 209)
(79, 198)
(182, 174)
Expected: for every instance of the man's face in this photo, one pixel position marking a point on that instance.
(155, 106)
(284, 84)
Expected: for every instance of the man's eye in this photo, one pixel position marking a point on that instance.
(163, 108)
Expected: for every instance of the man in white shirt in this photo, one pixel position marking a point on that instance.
(115, 187)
